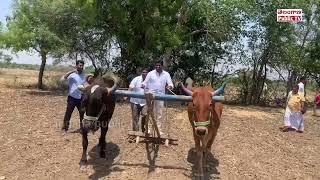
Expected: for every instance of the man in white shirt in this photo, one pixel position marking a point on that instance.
(189, 83)
(302, 85)
(137, 104)
(157, 81)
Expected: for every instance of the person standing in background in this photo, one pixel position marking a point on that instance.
(302, 85)
(293, 117)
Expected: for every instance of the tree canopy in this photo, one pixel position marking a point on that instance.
(191, 36)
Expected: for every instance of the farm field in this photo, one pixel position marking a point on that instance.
(249, 144)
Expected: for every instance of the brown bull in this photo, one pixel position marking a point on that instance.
(204, 116)
(98, 103)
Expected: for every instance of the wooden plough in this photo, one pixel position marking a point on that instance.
(150, 118)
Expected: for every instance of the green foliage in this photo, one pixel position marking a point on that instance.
(32, 26)
(143, 30)
(209, 26)
(193, 36)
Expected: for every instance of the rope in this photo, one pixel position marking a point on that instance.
(171, 91)
(168, 123)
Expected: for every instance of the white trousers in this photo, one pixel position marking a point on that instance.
(158, 112)
(294, 120)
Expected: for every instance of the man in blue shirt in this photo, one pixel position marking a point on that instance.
(74, 78)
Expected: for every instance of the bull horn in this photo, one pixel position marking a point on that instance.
(186, 90)
(220, 90)
(112, 89)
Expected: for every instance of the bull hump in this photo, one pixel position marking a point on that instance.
(94, 88)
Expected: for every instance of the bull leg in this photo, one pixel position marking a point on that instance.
(214, 134)
(199, 167)
(102, 139)
(204, 159)
(196, 141)
(199, 156)
(83, 160)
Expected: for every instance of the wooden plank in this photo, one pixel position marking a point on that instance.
(150, 105)
(164, 97)
(141, 134)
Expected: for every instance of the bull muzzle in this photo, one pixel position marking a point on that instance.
(201, 131)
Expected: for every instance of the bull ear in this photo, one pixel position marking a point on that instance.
(220, 90)
(186, 90)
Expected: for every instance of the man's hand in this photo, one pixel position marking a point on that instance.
(169, 87)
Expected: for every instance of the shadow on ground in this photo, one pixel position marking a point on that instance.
(103, 166)
(211, 172)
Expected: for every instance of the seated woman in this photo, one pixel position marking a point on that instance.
(316, 109)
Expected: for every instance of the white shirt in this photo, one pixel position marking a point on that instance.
(189, 83)
(135, 86)
(156, 82)
(301, 87)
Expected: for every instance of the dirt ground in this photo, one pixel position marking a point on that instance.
(249, 144)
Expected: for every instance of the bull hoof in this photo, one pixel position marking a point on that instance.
(102, 154)
(83, 165)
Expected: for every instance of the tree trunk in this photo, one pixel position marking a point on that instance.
(41, 70)
(212, 71)
(262, 85)
(264, 61)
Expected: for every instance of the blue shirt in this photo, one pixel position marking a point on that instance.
(74, 80)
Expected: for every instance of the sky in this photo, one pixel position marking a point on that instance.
(21, 57)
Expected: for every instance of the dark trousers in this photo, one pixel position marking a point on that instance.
(136, 112)
(71, 103)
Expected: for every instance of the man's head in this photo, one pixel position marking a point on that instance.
(158, 66)
(303, 80)
(295, 89)
(144, 73)
(79, 66)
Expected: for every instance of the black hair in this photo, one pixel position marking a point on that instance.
(302, 78)
(145, 69)
(159, 61)
(79, 61)
(295, 86)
